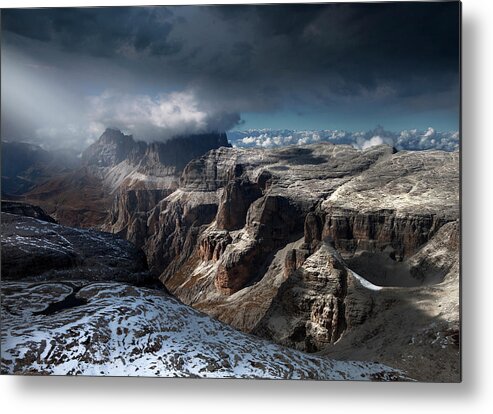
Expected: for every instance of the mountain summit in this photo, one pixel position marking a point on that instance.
(117, 167)
(114, 147)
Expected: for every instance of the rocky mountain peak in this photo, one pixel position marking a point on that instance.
(111, 135)
(113, 147)
(110, 149)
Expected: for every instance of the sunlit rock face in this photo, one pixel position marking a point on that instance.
(119, 180)
(303, 244)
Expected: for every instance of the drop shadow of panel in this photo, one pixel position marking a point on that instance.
(471, 220)
(69, 389)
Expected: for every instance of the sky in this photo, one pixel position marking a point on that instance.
(159, 72)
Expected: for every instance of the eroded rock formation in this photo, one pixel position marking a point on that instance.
(80, 302)
(324, 238)
(119, 181)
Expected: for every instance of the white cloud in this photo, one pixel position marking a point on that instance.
(404, 140)
(71, 135)
(159, 117)
(267, 142)
(363, 143)
(248, 140)
(373, 141)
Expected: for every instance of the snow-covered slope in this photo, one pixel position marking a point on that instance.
(119, 329)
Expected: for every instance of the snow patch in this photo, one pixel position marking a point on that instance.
(365, 283)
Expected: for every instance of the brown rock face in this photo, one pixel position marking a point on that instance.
(237, 197)
(308, 246)
(308, 311)
(128, 215)
(210, 172)
(313, 228)
(378, 230)
(271, 221)
(212, 245)
(175, 226)
(238, 269)
(294, 260)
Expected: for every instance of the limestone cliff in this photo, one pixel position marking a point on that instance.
(119, 181)
(307, 245)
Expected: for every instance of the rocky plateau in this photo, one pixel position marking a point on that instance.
(322, 248)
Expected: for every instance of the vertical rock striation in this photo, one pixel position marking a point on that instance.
(307, 245)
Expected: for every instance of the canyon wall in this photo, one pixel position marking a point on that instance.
(307, 245)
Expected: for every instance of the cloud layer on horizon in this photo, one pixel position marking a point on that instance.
(414, 140)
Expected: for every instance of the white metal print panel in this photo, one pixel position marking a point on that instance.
(242, 191)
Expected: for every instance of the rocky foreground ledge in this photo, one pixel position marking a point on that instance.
(80, 302)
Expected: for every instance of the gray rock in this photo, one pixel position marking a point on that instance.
(33, 249)
(27, 210)
(369, 220)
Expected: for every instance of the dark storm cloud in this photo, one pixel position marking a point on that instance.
(228, 60)
(95, 31)
(366, 43)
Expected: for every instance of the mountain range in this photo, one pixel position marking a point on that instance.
(349, 253)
